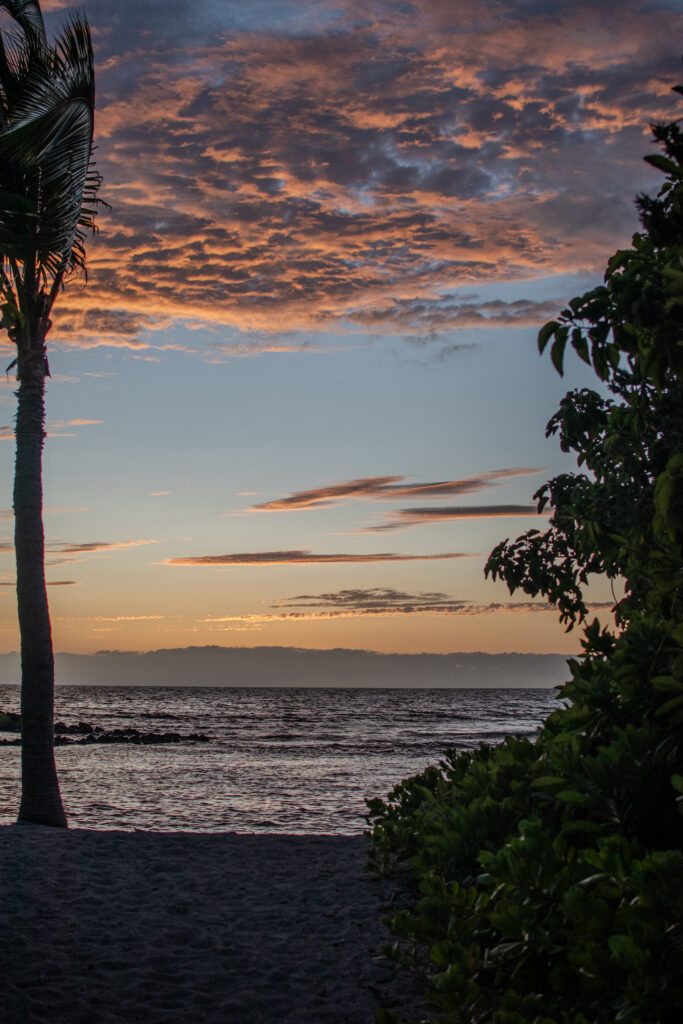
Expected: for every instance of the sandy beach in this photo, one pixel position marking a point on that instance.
(100, 927)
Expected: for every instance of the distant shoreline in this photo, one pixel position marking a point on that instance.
(301, 667)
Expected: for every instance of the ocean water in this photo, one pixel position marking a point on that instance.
(279, 760)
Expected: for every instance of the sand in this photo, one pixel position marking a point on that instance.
(167, 928)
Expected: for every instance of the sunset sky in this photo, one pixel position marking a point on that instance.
(299, 399)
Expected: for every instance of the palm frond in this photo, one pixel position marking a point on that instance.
(28, 14)
(47, 100)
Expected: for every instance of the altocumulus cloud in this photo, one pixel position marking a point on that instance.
(296, 166)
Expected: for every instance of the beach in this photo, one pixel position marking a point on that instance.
(98, 927)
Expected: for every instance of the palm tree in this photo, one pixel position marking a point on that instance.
(48, 199)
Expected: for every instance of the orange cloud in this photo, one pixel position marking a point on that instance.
(93, 546)
(353, 172)
(60, 424)
(387, 488)
(301, 558)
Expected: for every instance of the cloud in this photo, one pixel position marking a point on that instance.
(301, 558)
(402, 518)
(245, 350)
(381, 602)
(375, 597)
(387, 488)
(90, 327)
(374, 601)
(449, 312)
(60, 424)
(91, 547)
(109, 618)
(303, 166)
(125, 618)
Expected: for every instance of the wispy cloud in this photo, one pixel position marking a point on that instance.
(449, 312)
(59, 427)
(126, 618)
(375, 597)
(90, 547)
(58, 424)
(381, 602)
(302, 558)
(246, 350)
(110, 618)
(373, 601)
(387, 488)
(403, 518)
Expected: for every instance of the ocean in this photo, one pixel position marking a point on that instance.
(298, 761)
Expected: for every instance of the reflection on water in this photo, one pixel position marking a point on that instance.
(280, 760)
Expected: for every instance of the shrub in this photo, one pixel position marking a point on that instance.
(547, 876)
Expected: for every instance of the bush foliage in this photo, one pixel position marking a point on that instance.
(548, 875)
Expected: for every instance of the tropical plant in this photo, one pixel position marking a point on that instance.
(549, 874)
(48, 201)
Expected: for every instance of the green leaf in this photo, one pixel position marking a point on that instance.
(546, 333)
(663, 164)
(670, 705)
(580, 826)
(558, 347)
(545, 781)
(623, 946)
(664, 683)
(580, 345)
(572, 796)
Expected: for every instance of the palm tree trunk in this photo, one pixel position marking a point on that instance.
(40, 797)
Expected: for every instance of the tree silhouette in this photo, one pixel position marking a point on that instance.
(48, 200)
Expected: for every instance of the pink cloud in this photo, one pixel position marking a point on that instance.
(360, 169)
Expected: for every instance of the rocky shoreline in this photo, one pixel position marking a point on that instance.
(84, 733)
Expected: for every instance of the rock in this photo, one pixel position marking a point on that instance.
(85, 732)
(10, 721)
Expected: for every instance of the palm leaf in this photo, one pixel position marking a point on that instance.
(46, 148)
(27, 13)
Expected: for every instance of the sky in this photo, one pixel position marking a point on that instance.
(299, 399)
